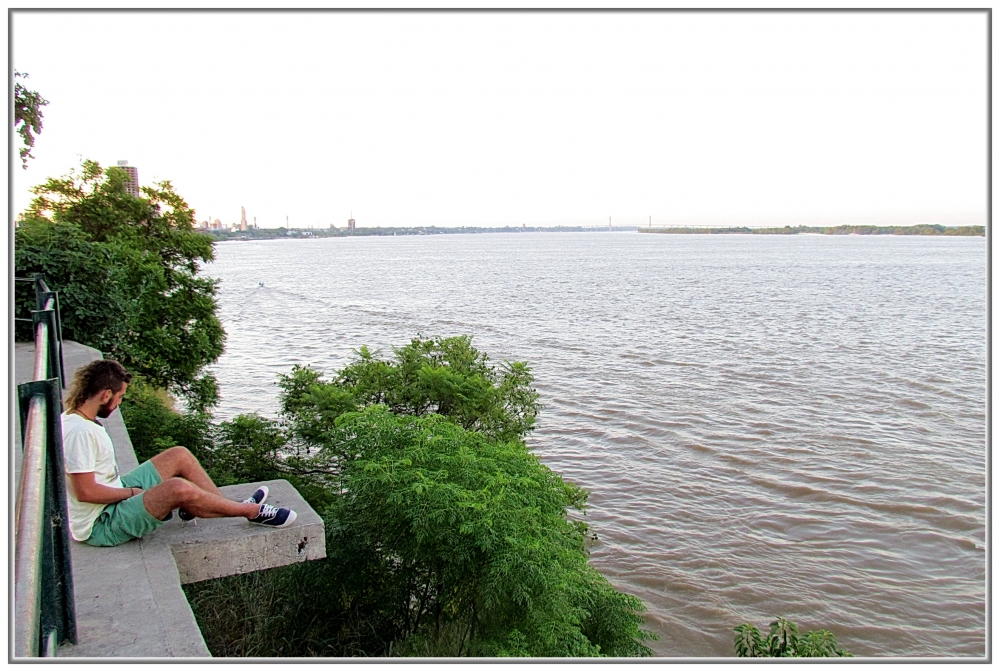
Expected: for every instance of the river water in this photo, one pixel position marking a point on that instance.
(767, 425)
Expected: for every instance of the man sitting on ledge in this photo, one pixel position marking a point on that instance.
(107, 509)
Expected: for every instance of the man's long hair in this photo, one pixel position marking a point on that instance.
(94, 378)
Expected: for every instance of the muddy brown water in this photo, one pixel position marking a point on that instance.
(767, 425)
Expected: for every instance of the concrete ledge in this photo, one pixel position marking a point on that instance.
(209, 548)
(129, 603)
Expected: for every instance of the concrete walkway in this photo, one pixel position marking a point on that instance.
(129, 601)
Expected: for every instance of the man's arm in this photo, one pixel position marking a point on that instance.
(87, 489)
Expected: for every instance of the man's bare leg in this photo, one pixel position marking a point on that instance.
(178, 461)
(178, 492)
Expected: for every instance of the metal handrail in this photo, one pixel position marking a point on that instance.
(44, 608)
(29, 514)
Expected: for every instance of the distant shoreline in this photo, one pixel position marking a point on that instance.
(293, 233)
(342, 232)
(863, 230)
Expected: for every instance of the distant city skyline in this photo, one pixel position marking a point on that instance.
(543, 119)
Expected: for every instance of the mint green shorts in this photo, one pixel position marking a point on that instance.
(127, 519)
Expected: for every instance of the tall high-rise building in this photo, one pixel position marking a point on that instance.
(243, 218)
(350, 222)
(132, 185)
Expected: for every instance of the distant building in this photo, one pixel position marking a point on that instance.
(132, 183)
(350, 224)
(243, 218)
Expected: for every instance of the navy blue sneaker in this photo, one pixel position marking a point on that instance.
(258, 497)
(272, 516)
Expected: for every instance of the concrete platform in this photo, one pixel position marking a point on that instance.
(129, 601)
(212, 548)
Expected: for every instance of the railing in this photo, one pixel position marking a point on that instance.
(44, 608)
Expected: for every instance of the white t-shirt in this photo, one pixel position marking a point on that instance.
(87, 447)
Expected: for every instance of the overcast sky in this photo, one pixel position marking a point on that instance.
(491, 119)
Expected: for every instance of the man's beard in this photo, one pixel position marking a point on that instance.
(105, 410)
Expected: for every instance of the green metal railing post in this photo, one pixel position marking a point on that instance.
(57, 610)
(40, 287)
(54, 340)
(44, 606)
(59, 339)
(29, 513)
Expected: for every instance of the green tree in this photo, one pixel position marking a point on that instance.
(445, 535)
(472, 538)
(127, 270)
(27, 116)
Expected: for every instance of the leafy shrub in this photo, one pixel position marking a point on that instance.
(153, 426)
(445, 535)
(252, 448)
(783, 640)
(446, 376)
(472, 536)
